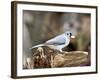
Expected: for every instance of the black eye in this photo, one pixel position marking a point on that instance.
(67, 34)
(70, 34)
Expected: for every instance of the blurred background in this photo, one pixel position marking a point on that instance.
(39, 26)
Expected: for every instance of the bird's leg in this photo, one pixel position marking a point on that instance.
(63, 51)
(59, 51)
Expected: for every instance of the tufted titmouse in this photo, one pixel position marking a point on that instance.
(58, 42)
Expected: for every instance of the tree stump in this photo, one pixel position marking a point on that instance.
(44, 57)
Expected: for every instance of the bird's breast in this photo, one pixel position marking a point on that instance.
(67, 41)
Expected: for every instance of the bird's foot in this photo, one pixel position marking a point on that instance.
(64, 52)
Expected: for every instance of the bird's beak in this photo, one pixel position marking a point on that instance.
(72, 36)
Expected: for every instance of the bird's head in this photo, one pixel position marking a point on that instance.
(69, 34)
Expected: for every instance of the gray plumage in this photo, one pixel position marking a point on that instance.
(58, 42)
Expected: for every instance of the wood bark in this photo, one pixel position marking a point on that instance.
(44, 57)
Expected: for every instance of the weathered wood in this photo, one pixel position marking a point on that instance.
(44, 57)
(70, 59)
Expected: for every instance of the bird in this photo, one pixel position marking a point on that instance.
(58, 42)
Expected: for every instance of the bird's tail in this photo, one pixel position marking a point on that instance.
(37, 46)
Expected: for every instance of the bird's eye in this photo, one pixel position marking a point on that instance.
(70, 34)
(67, 34)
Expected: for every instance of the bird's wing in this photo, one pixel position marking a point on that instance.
(59, 40)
